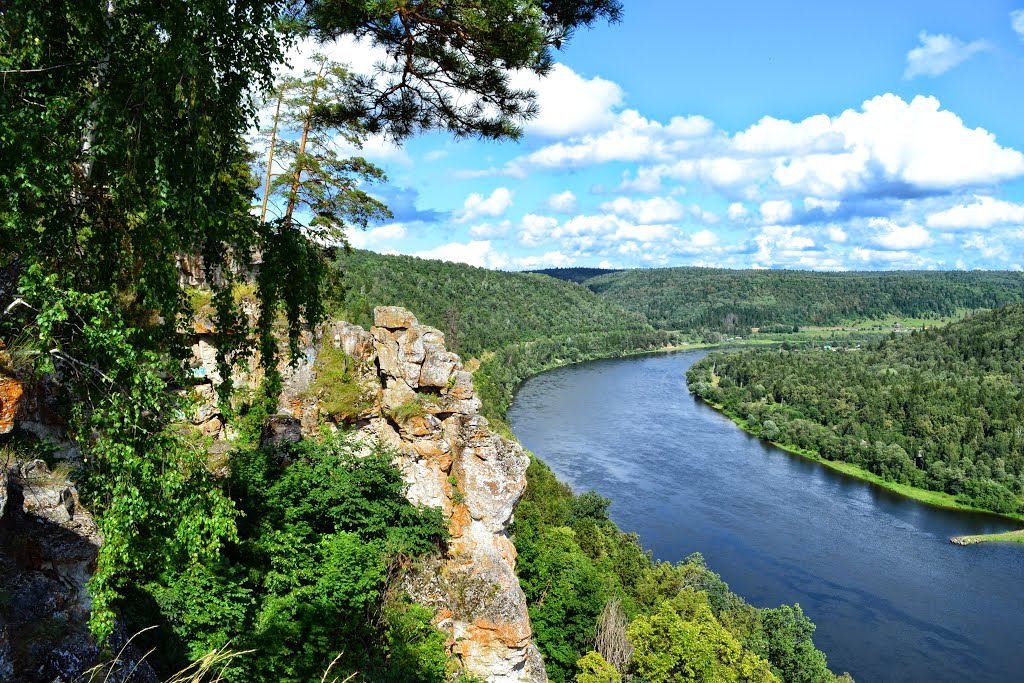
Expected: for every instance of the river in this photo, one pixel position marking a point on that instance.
(893, 600)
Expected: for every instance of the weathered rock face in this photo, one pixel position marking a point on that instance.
(426, 409)
(48, 548)
(414, 396)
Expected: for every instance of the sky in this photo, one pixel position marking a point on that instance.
(803, 135)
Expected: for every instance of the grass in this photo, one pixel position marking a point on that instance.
(934, 498)
(407, 411)
(1004, 537)
(338, 386)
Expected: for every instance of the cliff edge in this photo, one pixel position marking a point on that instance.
(405, 390)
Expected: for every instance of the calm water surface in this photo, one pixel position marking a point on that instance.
(892, 598)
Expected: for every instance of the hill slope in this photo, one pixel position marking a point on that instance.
(941, 410)
(733, 300)
(476, 308)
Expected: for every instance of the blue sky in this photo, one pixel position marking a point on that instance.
(822, 135)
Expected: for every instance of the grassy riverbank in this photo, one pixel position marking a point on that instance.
(935, 498)
(1005, 537)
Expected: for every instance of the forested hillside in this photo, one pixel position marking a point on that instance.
(476, 308)
(941, 409)
(736, 300)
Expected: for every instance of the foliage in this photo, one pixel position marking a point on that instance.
(336, 384)
(159, 506)
(449, 63)
(592, 668)
(939, 409)
(682, 641)
(788, 646)
(407, 411)
(314, 179)
(737, 300)
(323, 533)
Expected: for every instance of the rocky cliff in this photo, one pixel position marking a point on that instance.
(48, 549)
(396, 385)
(408, 392)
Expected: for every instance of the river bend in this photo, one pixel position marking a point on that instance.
(892, 598)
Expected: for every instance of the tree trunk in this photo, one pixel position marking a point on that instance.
(89, 140)
(297, 178)
(270, 158)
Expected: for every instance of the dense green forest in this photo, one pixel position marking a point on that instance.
(578, 275)
(476, 308)
(736, 300)
(940, 409)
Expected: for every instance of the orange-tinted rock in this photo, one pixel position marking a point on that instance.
(10, 393)
(203, 327)
(393, 318)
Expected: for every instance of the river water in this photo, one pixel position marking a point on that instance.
(893, 600)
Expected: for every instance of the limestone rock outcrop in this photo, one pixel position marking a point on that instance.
(417, 398)
(405, 390)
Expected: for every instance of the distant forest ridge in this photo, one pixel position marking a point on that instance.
(478, 309)
(487, 309)
(577, 275)
(736, 300)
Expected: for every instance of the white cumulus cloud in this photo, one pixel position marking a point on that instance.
(535, 229)
(563, 202)
(985, 212)
(569, 104)
(488, 230)
(478, 253)
(890, 142)
(776, 211)
(777, 136)
(632, 138)
(1017, 22)
(737, 211)
(826, 205)
(653, 210)
(939, 53)
(836, 233)
(550, 259)
(375, 237)
(894, 237)
(476, 205)
(703, 239)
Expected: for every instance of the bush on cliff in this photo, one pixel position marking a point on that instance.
(322, 536)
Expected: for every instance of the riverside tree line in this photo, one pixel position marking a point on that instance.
(941, 409)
